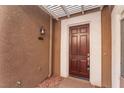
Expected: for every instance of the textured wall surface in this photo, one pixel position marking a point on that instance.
(22, 56)
(106, 46)
(116, 16)
(56, 47)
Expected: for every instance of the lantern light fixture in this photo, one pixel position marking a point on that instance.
(42, 33)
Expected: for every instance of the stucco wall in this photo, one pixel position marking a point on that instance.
(22, 56)
(56, 47)
(116, 45)
(106, 46)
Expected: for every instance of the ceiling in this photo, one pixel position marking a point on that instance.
(58, 11)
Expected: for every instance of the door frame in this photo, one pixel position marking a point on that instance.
(76, 24)
(94, 19)
(88, 23)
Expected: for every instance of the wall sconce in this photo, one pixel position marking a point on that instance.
(42, 33)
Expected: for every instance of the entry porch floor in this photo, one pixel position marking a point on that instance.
(60, 82)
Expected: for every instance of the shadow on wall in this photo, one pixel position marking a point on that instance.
(23, 58)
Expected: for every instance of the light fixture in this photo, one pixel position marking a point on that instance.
(42, 33)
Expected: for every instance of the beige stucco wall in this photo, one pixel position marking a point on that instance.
(56, 47)
(22, 56)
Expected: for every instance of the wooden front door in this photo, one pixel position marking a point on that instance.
(79, 51)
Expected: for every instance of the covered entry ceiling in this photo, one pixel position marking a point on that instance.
(58, 11)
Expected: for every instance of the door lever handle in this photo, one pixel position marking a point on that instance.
(88, 68)
(88, 58)
(88, 54)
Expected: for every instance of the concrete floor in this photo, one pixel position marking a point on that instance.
(60, 82)
(71, 82)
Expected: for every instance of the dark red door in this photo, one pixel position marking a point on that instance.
(79, 51)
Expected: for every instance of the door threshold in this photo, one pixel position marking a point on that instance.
(80, 79)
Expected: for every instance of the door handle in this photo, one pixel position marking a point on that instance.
(88, 54)
(88, 68)
(88, 58)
